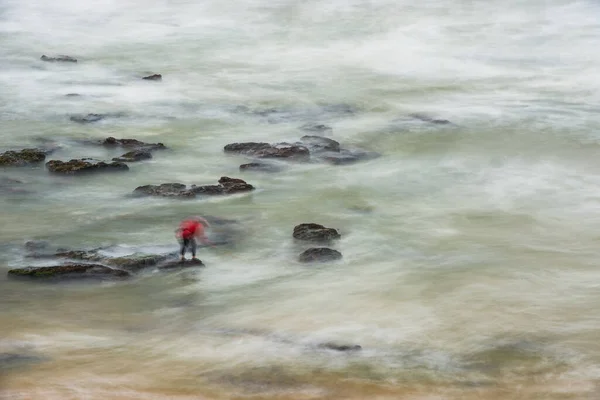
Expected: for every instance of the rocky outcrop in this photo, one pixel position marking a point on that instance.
(84, 166)
(132, 144)
(226, 186)
(70, 271)
(22, 158)
(59, 58)
(176, 264)
(260, 167)
(154, 77)
(132, 156)
(266, 150)
(319, 254)
(315, 233)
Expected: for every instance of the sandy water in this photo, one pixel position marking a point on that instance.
(470, 249)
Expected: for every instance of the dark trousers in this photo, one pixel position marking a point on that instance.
(188, 244)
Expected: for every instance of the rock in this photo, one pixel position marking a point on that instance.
(82, 255)
(155, 77)
(72, 95)
(22, 158)
(136, 262)
(320, 143)
(319, 254)
(60, 58)
(426, 118)
(345, 157)
(247, 148)
(164, 190)
(260, 167)
(86, 119)
(13, 360)
(36, 245)
(176, 264)
(70, 271)
(340, 347)
(132, 156)
(12, 186)
(226, 186)
(284, 150)
(315, 127)
(315, 233)
(132, 143)
(84, 166)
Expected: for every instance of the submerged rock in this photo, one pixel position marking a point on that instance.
(340, 347)
(320, 143)
(425, 118)
(312, 127)
(84, 166)
(132, 144)
(22, 158)
(155, 77)
(266, 150)
(260, 167)
(314, 233)
(59, 58)
(132, 156)
(70, 271)
(226, 186)
(345, 157)
(319, 254)
(86, 119)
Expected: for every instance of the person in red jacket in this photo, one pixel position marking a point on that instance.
(189, 231)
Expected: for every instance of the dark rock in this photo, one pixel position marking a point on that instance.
(164, 190)
(136, 155)
(36, 245)
(248, 148)
(86, 119)
(208, 190)
(315, 233)
(12, 360)
(234, 185)
(132, 143)
(340, 347)
(426, 118)
(284, 150)
(319, 254)
(60, 58)
(22, 158)
(345, 157)
(82, 255)
(261, 167)
(320, 143)
(155, 77)
(136, 262)
(176, 264)
(69, 271)
(72, 95)
(315, 127)
(84, 166)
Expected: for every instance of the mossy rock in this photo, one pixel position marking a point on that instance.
(22, 158)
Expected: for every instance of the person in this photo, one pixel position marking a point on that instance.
(189, 231)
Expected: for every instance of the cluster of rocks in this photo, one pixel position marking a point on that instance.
(308, 148)
(226, 186)
(315, 233)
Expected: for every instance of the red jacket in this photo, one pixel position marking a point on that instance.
(190, 228)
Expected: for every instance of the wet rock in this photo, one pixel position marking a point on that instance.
(69, 271)
(315, 233)
(136, 262)
(86, 119)
(37, 245)
(22, 158)
(155, 77)
(59, 58)
(320, 143)
(132, 156)
(312, 127)
(72, 95)
(247, 148)
(345, 157)
(340, 347)
(226, 186)
(81, 255)
(426, 118)
(266, 150)
(132, 144)
(319, 254)
(176, 264)
(84, 166)
(260, 167)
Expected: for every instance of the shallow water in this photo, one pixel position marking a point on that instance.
(470, 249)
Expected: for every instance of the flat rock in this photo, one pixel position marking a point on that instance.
(154, 77)
(260, 167)
(84, 166)
(59, 58)
(176, 264)
(70, 271)
(266, 150)
(226, 186)
(246, 148)
(88, 118)
(320, 143)
(137, 262)
(314, 233)
(132, 144)
(319, 254)
(22, 158)
(135, 155)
